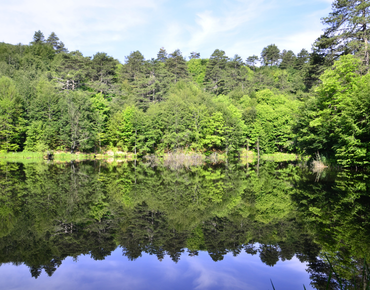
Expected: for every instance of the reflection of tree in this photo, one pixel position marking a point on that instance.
(52, 266)
(9, 186)
(337, 210)
(35, 271)
(319, 274)
(62, 210)
(269, 254)
(148, 232)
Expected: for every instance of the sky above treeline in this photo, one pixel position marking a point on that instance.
(119, 27)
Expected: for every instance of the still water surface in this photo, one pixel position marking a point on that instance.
(94, 225)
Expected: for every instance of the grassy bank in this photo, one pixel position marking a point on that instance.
(172, 159)
(109, 156)
(22, 155)
(38, 156)
(251, 157)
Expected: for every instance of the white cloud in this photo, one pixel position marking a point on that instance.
(119, 27)
(244, 27)
(300, 40)
(78, 23)
(211, 27)
(291, 34)
(172, 37)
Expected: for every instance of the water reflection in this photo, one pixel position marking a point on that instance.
(201, 272)
(51, 213)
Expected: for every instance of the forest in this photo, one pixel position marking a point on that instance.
(313, 103)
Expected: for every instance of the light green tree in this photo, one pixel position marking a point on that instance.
(10, 116)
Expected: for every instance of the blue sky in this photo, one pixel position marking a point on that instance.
(119, 27)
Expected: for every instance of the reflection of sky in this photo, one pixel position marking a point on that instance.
(201, 272)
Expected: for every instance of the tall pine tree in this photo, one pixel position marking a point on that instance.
(348, 30)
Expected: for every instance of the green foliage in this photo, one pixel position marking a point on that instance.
(214, 75)
(347, 30)
(288, 59)
(44, 111)
(71, 70)
(270, 55)
(120, 129)
(101, 111)
(335, 122)
(35, 141)
(58, 46)
(46, 78)
(213, 132)
(270, 118)
(10, 116)
(197, 69)
(102, 73)
(176, 66)
(68, 101)
(77, 126)
(189, 118)
(252, 60)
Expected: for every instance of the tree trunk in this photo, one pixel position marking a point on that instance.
(258, 155)
(365, 39)
(247, 155)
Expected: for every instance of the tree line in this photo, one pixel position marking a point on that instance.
(311, 103)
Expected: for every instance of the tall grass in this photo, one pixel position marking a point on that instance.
(251, 157)
(66, 156)
(319, 163)
(279, 157)
(59, 156)
(22, 155)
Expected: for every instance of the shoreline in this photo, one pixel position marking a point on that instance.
(177, 157)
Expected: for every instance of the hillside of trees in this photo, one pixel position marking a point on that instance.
(311, 103)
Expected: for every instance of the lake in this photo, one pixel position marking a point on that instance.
(95, 225)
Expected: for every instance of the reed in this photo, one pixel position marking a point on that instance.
(183, 159)
(179, 160)
(319, 163)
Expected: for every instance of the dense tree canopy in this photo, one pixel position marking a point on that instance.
(72, 102)
(301, 103)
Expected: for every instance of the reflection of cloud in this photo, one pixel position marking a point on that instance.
(200, 272)
(169, 269)
(209, 277)
(295, 265)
